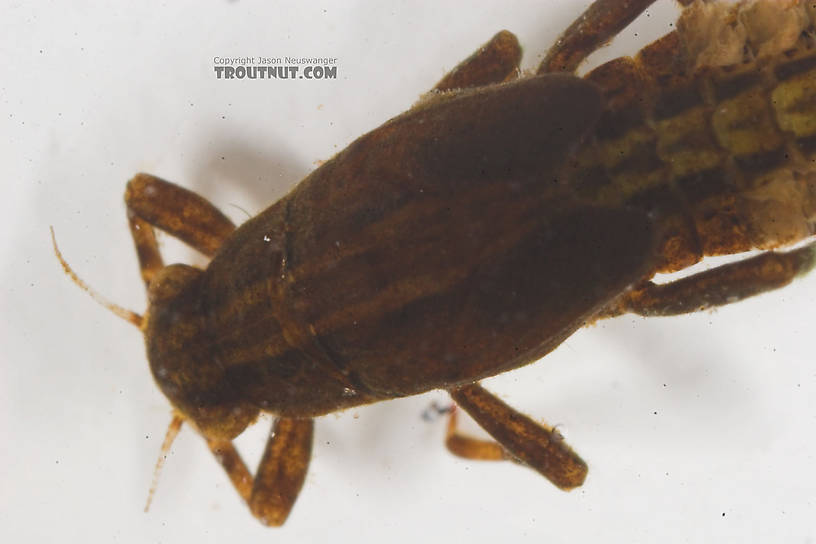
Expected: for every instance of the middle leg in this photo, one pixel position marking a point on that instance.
(518, 438)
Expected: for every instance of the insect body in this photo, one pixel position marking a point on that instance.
(475, 232)
(716, 133)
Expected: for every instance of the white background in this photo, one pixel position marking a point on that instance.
(695, 428)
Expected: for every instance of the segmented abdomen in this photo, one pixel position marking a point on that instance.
(713, 127)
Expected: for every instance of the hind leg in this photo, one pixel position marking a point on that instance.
(601, 22)
(716, 287)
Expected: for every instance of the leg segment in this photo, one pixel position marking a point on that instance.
(153, 202)
(494, 62)
(722, 285)
(147, 249)
(601, 22)
(522, 438)
(281, 472)
(472, 448)
(498, 60)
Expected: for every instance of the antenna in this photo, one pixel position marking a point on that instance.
(172, 431)
(125, 314)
